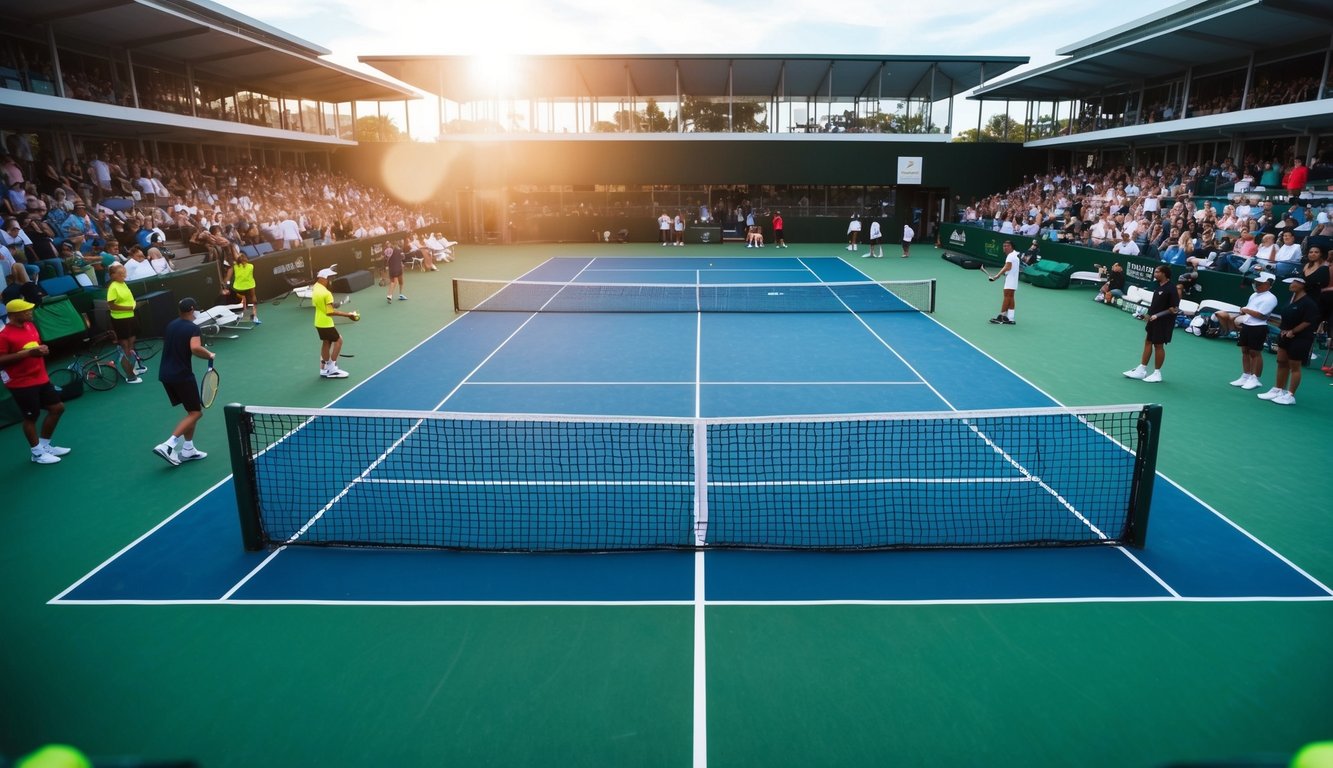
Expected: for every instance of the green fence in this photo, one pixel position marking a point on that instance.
(984, 244)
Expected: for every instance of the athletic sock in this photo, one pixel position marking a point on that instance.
(44, 442)
(173, 441)
(189, 445)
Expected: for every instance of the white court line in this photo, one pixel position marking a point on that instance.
(691, 383)
(1279, 556)
(700, 739)
(195, 500)
(1004, 454)
(383, 456)
(719, 603)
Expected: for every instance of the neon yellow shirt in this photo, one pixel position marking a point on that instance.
(322, 298)
(243, 276)
(120, 293)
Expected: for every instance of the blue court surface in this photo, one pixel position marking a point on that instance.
(688, 365)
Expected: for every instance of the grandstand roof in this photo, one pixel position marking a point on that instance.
(620, 75)
(215, 41)
(1193, 33)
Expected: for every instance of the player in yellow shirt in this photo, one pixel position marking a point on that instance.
(121, 303)
(243, 283)
(331, 340)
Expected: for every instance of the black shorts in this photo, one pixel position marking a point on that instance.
(396, 275)
(1298, 349)
(777, 234)
(125, 327)
(184, 393)
(1253, 337)
(31, 400)
(328, 334)
(1159, 331)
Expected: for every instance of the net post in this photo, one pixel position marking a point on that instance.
(1145, 473)
(700, 483)
(242, 477)
(455, 286)
(931, 309)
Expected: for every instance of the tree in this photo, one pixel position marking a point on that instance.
(998, 128)
(898, 122)
(703, 116)
(378, 128)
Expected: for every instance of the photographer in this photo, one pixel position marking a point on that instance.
(1114, 286)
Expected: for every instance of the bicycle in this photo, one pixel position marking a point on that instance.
(100, 368)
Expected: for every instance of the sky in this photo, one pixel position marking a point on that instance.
(352, 28)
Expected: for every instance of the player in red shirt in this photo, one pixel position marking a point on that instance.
(22, 360)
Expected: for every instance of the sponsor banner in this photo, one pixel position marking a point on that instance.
(909, 170)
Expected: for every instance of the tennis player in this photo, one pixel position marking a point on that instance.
(22, 356)
(121, 303)
(1161, 321)
(180, 343)
(1010, 273)
(393, 259)
(243, 283)
(331, 342)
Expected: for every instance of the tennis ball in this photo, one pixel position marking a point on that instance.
(55, 756)
(31, 345)
(1316, 755)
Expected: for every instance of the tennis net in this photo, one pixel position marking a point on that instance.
(980, 479)
(533, 296)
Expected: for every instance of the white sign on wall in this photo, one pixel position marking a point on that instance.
(909, 170)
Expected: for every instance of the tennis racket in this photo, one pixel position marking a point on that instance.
(208, 386)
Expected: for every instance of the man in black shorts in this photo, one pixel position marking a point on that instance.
(393, 259)
(180, 342)
(1294, 343)
(23, 360)
(1161, 320)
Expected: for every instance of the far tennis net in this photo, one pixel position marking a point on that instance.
(534, 296)
(503, 482)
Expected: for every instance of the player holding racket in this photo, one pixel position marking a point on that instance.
(331, 342)
(1010, 272)
(180, 343)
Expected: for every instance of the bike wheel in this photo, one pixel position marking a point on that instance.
(147, 349)
(100, 376)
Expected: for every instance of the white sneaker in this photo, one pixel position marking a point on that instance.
(1154, 377)
(1244, 377)
(140, 369)
(1137, 373)
(55, 450)
(1253, 383)
(135, 380)
(191, 455)
(1270, 394)
(42, 457)
(336, 373)
(167, 453)
(1286, 398)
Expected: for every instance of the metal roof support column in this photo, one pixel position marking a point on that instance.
(1185, 95)
(830, 95)
(1249, 79)
(632, 119)
(982, 74)
(731, 95)
(1323, 79)
(379, 120)
(129, 64)
(930, 110)
(407, 119)
(189, 89)
(1027, 124)
(949, 128)
(55, 62)
(782, 95)
(680, 119)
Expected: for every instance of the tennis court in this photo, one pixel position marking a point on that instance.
(674, 367)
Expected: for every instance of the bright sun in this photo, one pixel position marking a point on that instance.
(494, 73)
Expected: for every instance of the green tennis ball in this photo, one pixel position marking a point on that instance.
(55, 756)
(1318, 754)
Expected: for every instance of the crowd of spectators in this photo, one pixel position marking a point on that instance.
(90, 213)
(1152, 212)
